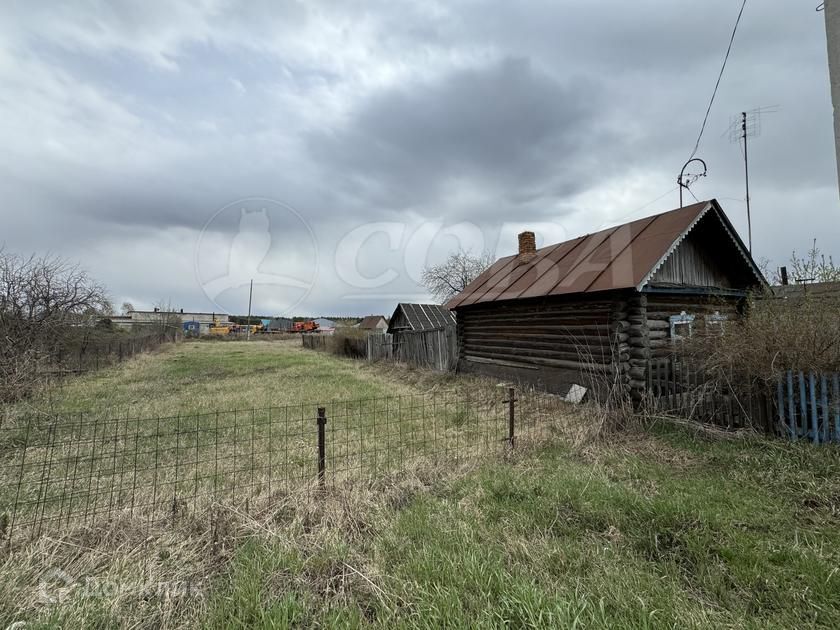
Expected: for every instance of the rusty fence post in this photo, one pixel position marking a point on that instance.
(511, 401)
(322, 450)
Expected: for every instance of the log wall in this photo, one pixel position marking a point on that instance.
(547, 342)
(659, 307)
(555, 341)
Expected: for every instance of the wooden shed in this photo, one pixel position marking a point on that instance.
(607, 302)
(420, 317)
(424, 335)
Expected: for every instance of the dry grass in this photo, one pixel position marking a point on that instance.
(777, 334)
(131, 573)
(115, 462)
(660, 531)
(160, 563)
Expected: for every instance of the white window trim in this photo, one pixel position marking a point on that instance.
(681, 320)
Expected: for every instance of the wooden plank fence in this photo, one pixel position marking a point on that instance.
(804, 405)
(435, 349)
(380, 347)
(677, 387)
(808, 406)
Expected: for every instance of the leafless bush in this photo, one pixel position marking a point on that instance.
(348, 342)
(43, 300)
(607, 408)
(165, 320)
(801, 333)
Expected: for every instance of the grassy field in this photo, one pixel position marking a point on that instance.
(200, 423)
(663, 527)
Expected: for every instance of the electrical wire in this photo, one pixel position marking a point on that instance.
(637, 210)
(720, 76)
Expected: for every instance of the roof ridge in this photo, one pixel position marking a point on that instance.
(623, 256)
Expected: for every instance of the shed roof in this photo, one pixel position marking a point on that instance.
(422, 317)
(621, 257)
(370, 321)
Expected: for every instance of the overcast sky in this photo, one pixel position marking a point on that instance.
(331, 149)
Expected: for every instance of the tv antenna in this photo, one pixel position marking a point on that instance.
(742, 126)
(684, 180)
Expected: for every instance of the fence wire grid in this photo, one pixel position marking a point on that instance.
(60, 471)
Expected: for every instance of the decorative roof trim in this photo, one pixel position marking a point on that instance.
(727, 227)
(673, 246)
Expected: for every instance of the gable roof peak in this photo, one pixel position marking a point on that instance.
(619, 257)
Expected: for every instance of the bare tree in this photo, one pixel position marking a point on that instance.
(42, 301)
(166, 321)
(814, 266)
(450, 277)
(126, 308)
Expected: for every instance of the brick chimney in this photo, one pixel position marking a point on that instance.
(527, 246)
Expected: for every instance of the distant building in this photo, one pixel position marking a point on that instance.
(279, 324)
(200, 322)
(192, 328)
(326, 326)
(373, 323)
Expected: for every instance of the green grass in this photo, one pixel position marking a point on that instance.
(205, 376)
(236, 421)
(657, 529)
(667, 532)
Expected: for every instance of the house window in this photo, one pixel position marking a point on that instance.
(681, 326)
(716, 322)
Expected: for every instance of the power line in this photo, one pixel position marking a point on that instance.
(692, 194)
(650, 203)
(637, 210)
(720, 76)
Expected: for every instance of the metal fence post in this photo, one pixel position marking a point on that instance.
(322, 451)
(511, 401)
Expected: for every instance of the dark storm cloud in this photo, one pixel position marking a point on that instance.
(125, 127)
(507, 126)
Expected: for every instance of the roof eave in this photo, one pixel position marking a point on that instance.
(727, 225)
(673, 246)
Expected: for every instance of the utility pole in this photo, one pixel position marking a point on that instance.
(250, 297)
(746, 178)
(741, 127)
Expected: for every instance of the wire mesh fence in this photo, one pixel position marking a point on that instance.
(88, 351)
(59, 471)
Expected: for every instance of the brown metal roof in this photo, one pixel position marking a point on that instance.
(422, 317)
(621, 257)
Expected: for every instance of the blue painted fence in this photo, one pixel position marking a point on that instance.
(808, 404)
